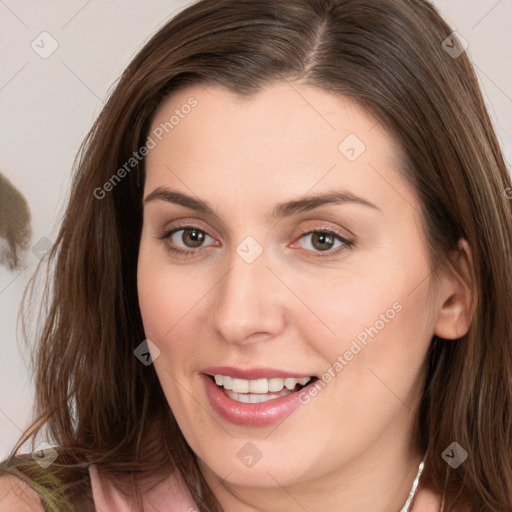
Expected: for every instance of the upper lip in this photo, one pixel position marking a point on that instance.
(253, 373)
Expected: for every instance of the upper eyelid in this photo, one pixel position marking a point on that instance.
(167, 233)
(198, 224)
(340, 237)
(183, 224)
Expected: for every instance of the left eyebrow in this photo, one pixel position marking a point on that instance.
(281, 210)
(315, 201)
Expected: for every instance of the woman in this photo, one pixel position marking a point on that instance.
(282, 279)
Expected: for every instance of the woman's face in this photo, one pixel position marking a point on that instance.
(239, 188)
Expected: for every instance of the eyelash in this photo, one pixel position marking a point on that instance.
(346, 244)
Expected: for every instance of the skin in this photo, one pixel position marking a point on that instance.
(16, 496)
(289, 309)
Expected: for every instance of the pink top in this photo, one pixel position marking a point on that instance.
(170, 495)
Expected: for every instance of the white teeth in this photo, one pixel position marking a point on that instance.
(259, 386)
(248, 398)
(240, 385)
(275, 384)
(290, 383)
(256, 386)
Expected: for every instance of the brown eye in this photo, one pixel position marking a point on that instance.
(322, 241)
(192, 237)
(185, 239)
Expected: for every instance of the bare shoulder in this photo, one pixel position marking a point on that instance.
(16, 496)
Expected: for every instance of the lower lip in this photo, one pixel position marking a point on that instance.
(251, 415)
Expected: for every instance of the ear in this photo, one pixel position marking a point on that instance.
(456, 294)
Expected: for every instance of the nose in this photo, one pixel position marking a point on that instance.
(248, 306)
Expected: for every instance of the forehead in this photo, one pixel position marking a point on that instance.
(294, 111)
(288, 136)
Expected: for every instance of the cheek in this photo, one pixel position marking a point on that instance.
(347, 308)
(166, 301)
(378, 320)
(167, 294)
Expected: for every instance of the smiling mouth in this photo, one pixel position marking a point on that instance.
(259, 390)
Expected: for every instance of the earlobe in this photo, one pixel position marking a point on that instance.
(457, 295)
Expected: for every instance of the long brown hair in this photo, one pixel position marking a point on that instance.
(100, 403)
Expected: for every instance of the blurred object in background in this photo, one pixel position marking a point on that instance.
(15, 230)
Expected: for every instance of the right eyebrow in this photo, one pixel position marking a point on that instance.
(172, 196)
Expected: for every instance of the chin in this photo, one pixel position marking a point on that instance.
(236, 467)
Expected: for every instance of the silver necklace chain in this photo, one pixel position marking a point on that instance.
(407, 504)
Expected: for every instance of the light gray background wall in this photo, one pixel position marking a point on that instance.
(48, 104)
